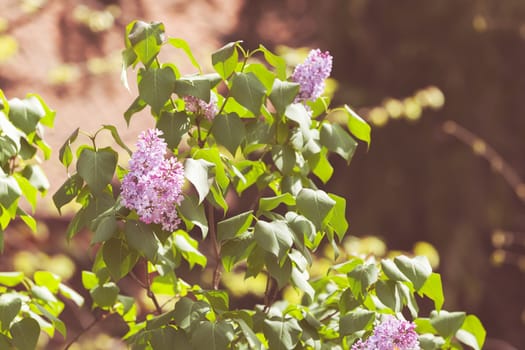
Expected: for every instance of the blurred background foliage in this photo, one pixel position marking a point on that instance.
(408, 66)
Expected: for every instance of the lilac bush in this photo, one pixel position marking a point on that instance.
(391, 334)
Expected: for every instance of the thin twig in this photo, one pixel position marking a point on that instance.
(85, 330)
(149, 293)
(484, 150)
(217, 273)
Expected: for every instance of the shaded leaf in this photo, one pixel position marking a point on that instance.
(97, 167)
(248, 91)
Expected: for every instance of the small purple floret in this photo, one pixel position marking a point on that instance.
(153, 185)
(391, 334)
(311, 75)
(198, 106)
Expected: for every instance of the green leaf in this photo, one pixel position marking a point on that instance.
(389, 294)
(36, 177)
(188, 248)
(198, 172)
(434, 290)
(297, 112)
(10, 305)
(27, 189)
(47, 279)
(284, 158)
(280, 271)
(320, 165)
(142, 238)
(97, 167)
(472, 333)
(156, 86)
(146, 39)
(302, 227)
(25, 334)
(183, 45)
(392, 271)
(300, 281)
(274, 237)
(212, 335)
(196, 85)
(248, 91)
(71, 294)
(314, 205)
(118, 258)
(229, 131)
(5, 343)
(9, 190)
(357, 126)
(89, 280)
(68, 191)
(362, 277)
(129, 58)
(105, 229)
(447, 323)
(193, 212)
(282, 332)
(225, 59)
(417, 269)
(167, 338)
(105, 295)
(218, 299)
(431, 342)
(213, 155)
(249, 335)
(64, 154)
(283, 94)
(234, 226)
(173, 125)
(356, 321)
(263, 74)
(11, 279)
(236, 249)
(276, 61)
(337, 140)
(267, 204)
(137, 106)
(25, 114)
(338, 216)
(114, 132)
(188, 312)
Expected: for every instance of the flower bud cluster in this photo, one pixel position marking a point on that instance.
(196, 105)
(391, 334)
(153, 185)
(311, 75)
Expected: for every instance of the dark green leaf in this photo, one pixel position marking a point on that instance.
(25, 114)
(284, 158)
(283, 94)
(142, 238)
(234, 226)
(236, 249)
(282, 332)
(362, 277)
(434, 290)
(447, 323)
(338, 216)
(248, 91)
(225, 59)
(314, 205)
(229, 131)
(198, 172)
(146, 39)
(64, 154)
(389, 294)
(68, 191)
(156, 86)
(337, 140)
(105, 295)
(36, 177)
(118, 258)
(188, 311)
(25, 334)
(116, 137)
(9, 190)
(417, 269)
(193, 212)
(106, 228)
(174, 125)
(274, 237)
(280, 271)
(167, 338)
(196, 85)
(97, 167)
(212, 335)
(137, 106)
(355, 321)
(10, 305)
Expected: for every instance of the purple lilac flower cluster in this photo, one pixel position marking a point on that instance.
(153, 186)
(311, 75)
(391, 334)
(207, 109)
